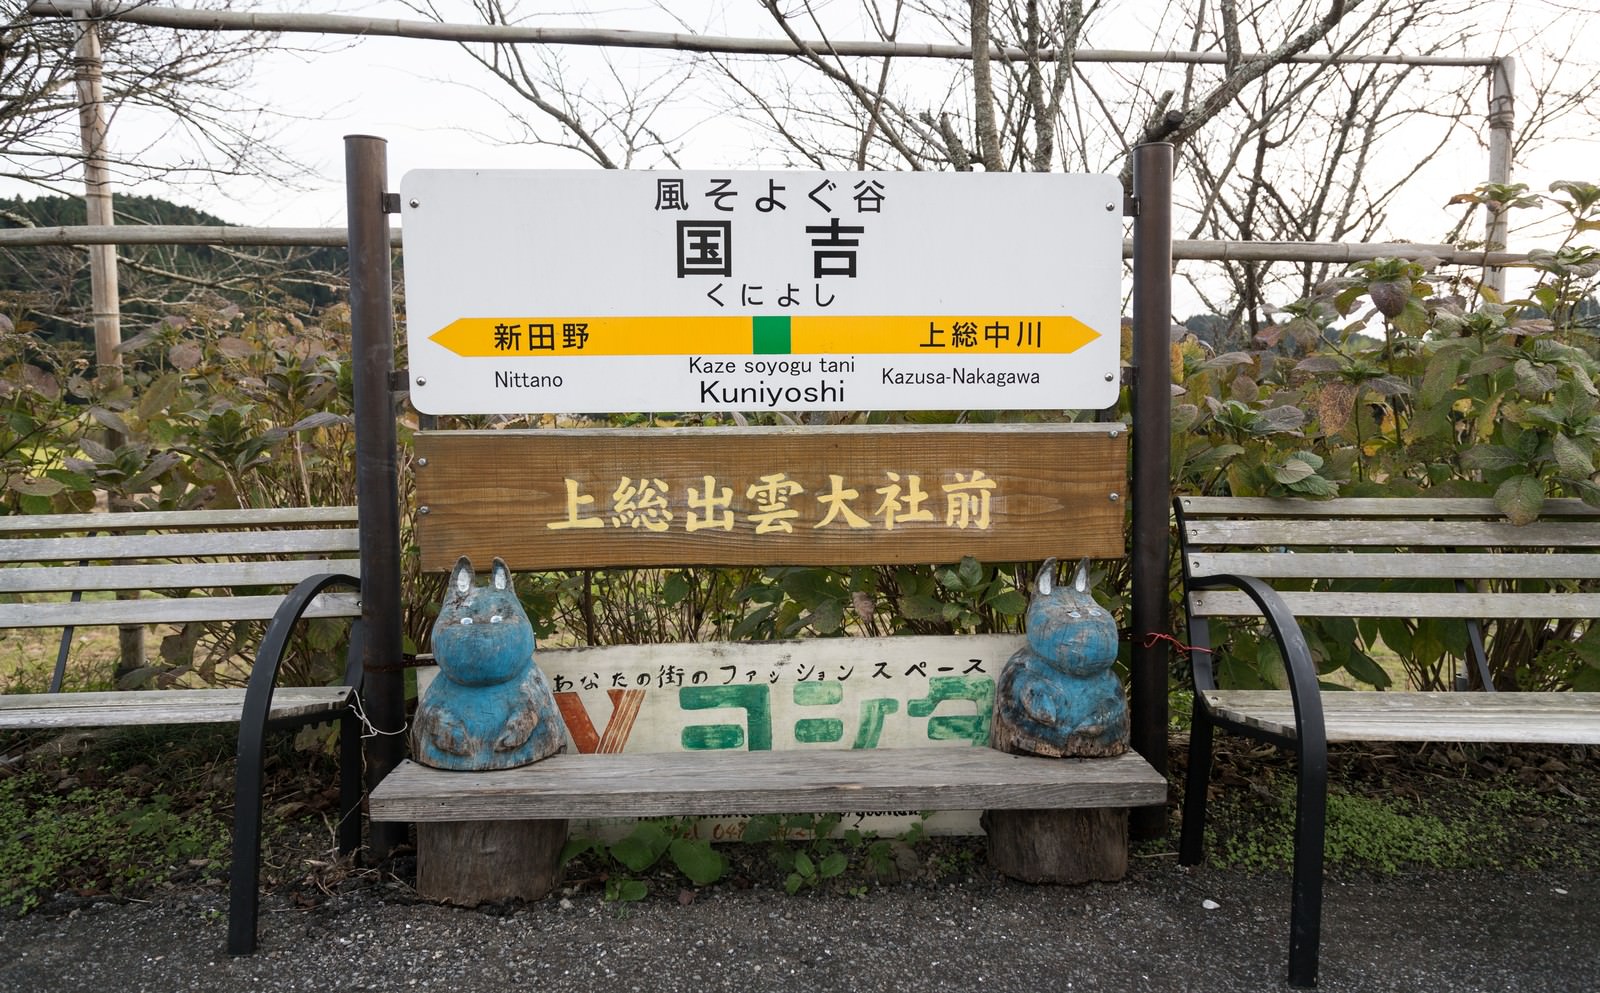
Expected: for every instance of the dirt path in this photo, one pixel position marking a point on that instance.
(1461, 932)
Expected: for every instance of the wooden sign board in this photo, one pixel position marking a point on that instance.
(550, 499)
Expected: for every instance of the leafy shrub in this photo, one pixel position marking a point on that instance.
(1394, 380)
(642, 849)
(215, 409)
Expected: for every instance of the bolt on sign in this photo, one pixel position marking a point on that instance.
(604, 291)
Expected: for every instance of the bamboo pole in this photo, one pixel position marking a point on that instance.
(224, 20)
(104, 299)
(178, 234)
(1502, 119)
(1332, 251)
(97, 203)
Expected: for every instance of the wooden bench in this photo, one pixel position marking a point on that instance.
(1394, 559)
(759, 496)
(270, 566)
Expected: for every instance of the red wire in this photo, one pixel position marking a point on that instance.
(1156, 637)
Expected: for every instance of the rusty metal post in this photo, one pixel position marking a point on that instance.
(1152, 441)
(377, 464)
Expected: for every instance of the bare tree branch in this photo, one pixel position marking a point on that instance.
(838, 75)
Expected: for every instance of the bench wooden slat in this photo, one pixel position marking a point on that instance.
(1396, 565)
(166, 546)
(1403, 604)
(1393, 533)
(173, 610)
(198, 575)
(1377, 507)
(808, 781)
(262, 517)
(1528, 718)
(37, 711)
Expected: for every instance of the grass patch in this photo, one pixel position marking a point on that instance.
(1362, 833)
(124, 812)
(28, 657)
(1427, 809)
(97, 840)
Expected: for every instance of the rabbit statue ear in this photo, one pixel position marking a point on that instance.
(501, 574)
(461, 576)
(1080, 582)
(1045, 582)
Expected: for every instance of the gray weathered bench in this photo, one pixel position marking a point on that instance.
(540, 500)
(1367, 558)
(206, 566)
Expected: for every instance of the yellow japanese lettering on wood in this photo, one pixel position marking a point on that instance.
(771, 496)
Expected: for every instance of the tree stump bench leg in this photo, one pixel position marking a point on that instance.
(1059, 846)
(471, 862)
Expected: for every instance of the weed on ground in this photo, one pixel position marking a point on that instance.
(126, 812)
(1400, 808)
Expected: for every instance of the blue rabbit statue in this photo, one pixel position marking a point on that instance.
(1058, 695)
(490, 706)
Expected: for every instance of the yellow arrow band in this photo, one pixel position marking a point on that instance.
(485, 337)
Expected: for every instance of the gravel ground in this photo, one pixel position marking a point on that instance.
(1163, 929)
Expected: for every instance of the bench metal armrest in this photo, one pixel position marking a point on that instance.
(264, 675)
(1302, 672)
(245, 870)
(1311, 790)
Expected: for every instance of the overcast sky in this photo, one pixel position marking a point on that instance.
(438, 109)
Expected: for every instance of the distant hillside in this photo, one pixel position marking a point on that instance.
(50, 286)
(53, 211)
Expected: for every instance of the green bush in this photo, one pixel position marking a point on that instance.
(1394, 380)
(623, 861)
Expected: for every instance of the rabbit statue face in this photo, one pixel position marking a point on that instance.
(1067, 628)
(483, 636)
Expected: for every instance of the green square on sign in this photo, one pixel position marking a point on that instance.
(769, 336)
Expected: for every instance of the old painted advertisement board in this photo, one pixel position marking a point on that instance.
(824, 693)
(606, 290)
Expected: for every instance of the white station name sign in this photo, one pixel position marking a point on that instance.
(604, 291)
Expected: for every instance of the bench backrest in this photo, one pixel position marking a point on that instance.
(202, 565)
(1391, 562)
(1435, 557)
